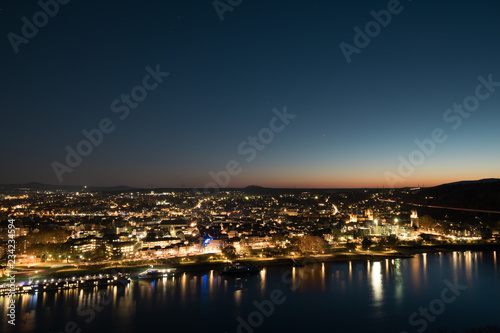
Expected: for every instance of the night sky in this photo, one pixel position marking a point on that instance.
(351, 121)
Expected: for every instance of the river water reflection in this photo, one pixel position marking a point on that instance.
(367, 296)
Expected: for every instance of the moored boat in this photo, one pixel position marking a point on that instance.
(151, 273)
(101, 280)
(238, 268)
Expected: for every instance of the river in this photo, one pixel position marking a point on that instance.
(453, 290)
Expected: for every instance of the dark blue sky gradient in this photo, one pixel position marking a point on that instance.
(353, 120)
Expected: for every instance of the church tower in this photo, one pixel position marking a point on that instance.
(414, 219)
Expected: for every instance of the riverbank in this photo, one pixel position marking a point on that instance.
(133, 268)
(289, 261)
(401, 252)
(416, 249)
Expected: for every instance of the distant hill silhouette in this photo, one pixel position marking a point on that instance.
(475, 194)
(252, 187)
(35, 186)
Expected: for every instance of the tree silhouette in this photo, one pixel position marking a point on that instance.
(229, 252)
(366, 243)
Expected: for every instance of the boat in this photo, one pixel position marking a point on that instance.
(151, 273)
(101, 280)
(238, 268)
(295, 263)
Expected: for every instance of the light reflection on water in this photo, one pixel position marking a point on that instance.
(376, 283)
(263, 282)
(398, 281)
(378, 294)
(323, 280)
(468, 265)
(350, 271)
(424, 266)
(495, 261)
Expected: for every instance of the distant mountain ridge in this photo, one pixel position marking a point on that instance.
(481, 194)
(472, 182)
(482, 185)
(36, 186)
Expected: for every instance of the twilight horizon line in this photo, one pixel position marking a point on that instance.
(486, 179)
